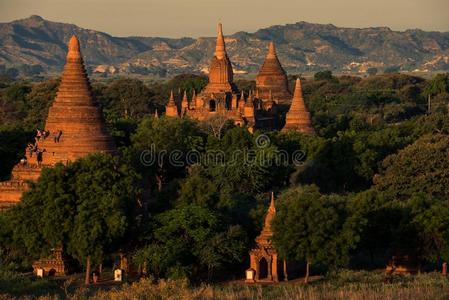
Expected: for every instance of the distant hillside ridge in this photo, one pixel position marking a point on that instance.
(34, 45)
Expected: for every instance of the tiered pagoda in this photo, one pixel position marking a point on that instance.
(74, 125)
(221, 97)
(256, 109)
(298, 117)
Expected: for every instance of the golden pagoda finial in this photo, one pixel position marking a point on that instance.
(74, 48)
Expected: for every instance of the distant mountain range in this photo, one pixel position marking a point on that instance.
(34, 45)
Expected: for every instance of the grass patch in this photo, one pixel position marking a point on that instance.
(344, 284)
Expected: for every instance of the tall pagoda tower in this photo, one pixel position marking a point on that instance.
(298, 117)
(75, 124)
(218, 96)
(220, 72)
(272, 78)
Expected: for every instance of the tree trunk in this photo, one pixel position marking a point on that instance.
(306, 279)
(88, 269)
(285, 271)
(159, 183)
(100, 268)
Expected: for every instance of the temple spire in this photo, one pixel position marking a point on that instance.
(271, 51)
(298, 100)
(272, 207)
(298, 117)
(242, 100)
(171, 110)
(185, 101)
(171, 100)
(220, 49)
(220, 71)
(193, 101)
(74, 48)
(265, 236)
(270, 215)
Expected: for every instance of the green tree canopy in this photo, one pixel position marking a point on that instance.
(422, 167)
(314, 228)
(190, 240)
(86, 207)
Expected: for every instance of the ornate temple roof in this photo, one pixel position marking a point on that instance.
(220, 71)
(272, 77)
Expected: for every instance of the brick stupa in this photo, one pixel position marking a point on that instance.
(298, 117)
(272, 78)
(75, 124)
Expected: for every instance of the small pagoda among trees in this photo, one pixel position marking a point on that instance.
(264, 263)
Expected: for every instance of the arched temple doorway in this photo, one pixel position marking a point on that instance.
(263, 269)
(212, 105)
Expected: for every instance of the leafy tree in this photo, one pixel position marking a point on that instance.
(314, 228)
(186, 82)
(437, 85)
(161, 146)
(323, 75)
(86, 207)
(419, 168)
(13, 141)
(12, 257)
(13, 103)
(191, 239)
(126, 98)
(432, 226)
(38, 102)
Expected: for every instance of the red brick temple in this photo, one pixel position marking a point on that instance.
(75, 126)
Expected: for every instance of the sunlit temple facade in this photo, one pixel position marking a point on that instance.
(257, 109)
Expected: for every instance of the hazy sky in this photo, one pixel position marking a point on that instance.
(176, 18)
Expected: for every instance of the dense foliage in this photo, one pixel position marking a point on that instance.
(187, 201)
